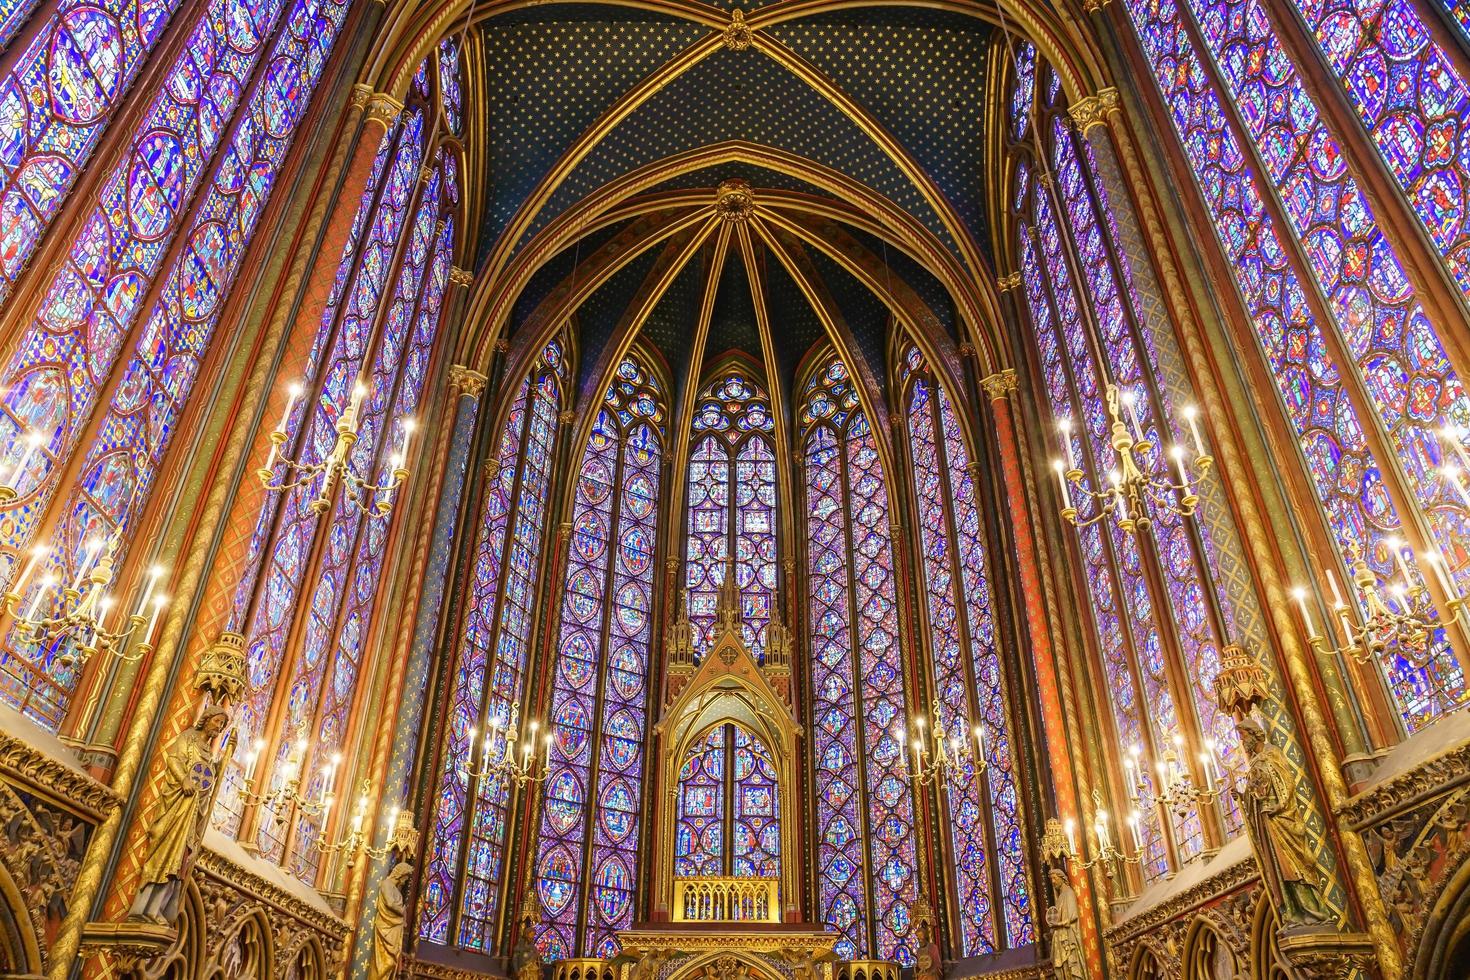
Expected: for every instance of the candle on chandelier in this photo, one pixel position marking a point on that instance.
(47, 584)
(33, 441)
(1300, 595)
(980, 742)
(1396, 545)
(406, 430)
(1134, 820)
(37, 553)
(158, 603)
(251, 757)
(293, 392)
(1071, 827)
(546, 759)
(329, 778)
(89, 556)
(154, 574)
(1191, 416)
(1452, 474)
(1130, 402)
(1065, 424)
(1061, 469)
(1452, 435)
(1178, 453)
(1100, 827)
(1442, 574)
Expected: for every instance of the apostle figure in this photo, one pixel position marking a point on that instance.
(1066, 937)
(388, 923)
(191, 769)
(1273, 817)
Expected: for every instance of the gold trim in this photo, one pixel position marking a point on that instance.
(1000, 384)
(461, 277)
(32, 770)
(467, 380)
(1405, 790)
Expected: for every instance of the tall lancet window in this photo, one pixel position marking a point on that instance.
(732, 506)
(159, 244)
(988, 858)
(1336, 292)
(306, 601)
(587, 856)
(466, 845)
(866, 863)
(1158, 637)
(728, 818)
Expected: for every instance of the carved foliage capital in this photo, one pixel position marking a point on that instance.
(467, 380)
(1006, 283)
(460, 277)
(380, 107)
(1000, 384)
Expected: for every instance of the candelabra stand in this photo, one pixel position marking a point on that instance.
(951, 755)
(520, 768)
(355, 841)
(1059, 842)
(1387, 617)
(1132, 483)
(289, 795)
(85, 620)
(363, 493)
(1176, 788)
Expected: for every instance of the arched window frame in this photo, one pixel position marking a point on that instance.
(141, 343)
(305, 647)
(741, 450)
(841, 464)
(1375, 469)
(464, 881)
(1144, 588)
(581, 861)
(990, 888)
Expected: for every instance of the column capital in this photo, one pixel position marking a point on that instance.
(460, 277)
(1000, 384)
(1006, 283)
(567, 417)
(501, 345)
(467, 380)
(1094, 6)
(377, 106)
(1095, 110)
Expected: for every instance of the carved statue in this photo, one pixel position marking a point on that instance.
(928, 963)
(184, 802)
(525, 958)
(1268, 800)
(1066, 937)
(388, 923)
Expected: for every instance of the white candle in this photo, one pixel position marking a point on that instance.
(406, 428)
(32, 443)
(1451, 435)
(1130, 402)
(251, 757)
(1071, 835)
(980, 742)
(293, 392)
(1300, 595)
(1065, 424)
(1134, 819)
(1178, 453)
(89, 555)
(149, 584)
(1191, 415)
(158, 604)
(1396, 545)
(37, 554)
(47, 584)
(1130, 776)
(1100, 827)
(1062, 481)
(1336, 592)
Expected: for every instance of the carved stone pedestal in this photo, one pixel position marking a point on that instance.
(1324, 953)
(127, 944)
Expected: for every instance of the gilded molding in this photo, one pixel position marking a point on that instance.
(734, 200)
(467, 380)
(1433, 777)
(1000, 384)
(1237, 876)
(31, 769)
(461, 277)
(251, 885)
(437, 971)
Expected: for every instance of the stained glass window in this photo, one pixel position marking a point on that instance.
(466, 838)
(728, 808)
(984, 817)
(732, 507)
(1397, 368)
(864, 803)
(305, 645)
(1023, 89)
(587, 856)
(63, 361)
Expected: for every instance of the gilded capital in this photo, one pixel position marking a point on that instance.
(467, 380)
(1094, 6)
(734, 200)
(968, 350)
(460, 277)
(1087, 114)
(501, 345)
(426, 174)
(567, 417)
(383, 108)
(1000, 384)
(358, 97)
(1006, 283)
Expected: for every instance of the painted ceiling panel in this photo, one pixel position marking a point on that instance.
(548, 80)
(742, 95)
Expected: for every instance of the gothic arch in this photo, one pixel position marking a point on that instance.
(20, 952)
(1443, 949)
